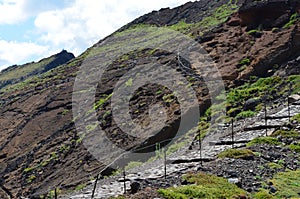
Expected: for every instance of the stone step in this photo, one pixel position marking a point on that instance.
(262, 127)
(187, 160)
(277, 117)
(228, 142)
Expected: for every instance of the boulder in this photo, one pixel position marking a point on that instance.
(293, 98)
(135, 187)
(250, 104)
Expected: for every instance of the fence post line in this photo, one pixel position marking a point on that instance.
(95, 186)
(200, 147)
(266, 119)
(55, 193)
(124, 175)
(232, 133)
(165, 161)
(289, 110)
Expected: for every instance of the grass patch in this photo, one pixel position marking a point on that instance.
(296, 118)
(236, 153)
(273, 165)
(31, 178)
(287, 134)
(236, 97)
(263, 194)
(18, 72)
(292, 21)
(295, 147)
(286, 183)
(264, 140)
(102, 101)
(204, 186)
(29, 169)
(218, 16)
(132, 165)
(245, 114)
(295, 81)
(80, 187)
(245, 61)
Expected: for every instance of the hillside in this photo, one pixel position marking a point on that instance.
(45, 119)
(15, 74)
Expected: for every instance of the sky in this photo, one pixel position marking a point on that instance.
(34, 29)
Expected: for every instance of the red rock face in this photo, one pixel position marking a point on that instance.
(37, 121)
(268, 14)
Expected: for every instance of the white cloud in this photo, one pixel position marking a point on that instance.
(86, 21)
(16, 11)
(73, 25)
(16, 53)
(11, 11)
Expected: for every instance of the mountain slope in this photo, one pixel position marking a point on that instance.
(15, 74)
(40, 148)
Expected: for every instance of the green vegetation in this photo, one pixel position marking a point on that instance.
(295, 81)
(245, 114)
(284, 133)
(203, 186)
(64, 148)
(296, 118)
(28, 170)
(218, 16)
(295, 147)
(175, 147)
(236, 97)
(53, 156)
(132, 165)
(65, 112)
(263, 194)
(80, 187)
(264, 140)
(273, 165)
(91, 127)
(253, 32)
(129, 82)
(236, 153)
(118, 197)
(292, 21)
(245, 61)
(169, 98)
(51, 194)
(31, 178)
(286, 183)
(102, 101)
(25, 70)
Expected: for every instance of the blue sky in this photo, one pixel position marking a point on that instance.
(33, 29)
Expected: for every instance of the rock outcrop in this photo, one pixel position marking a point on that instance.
(40, 148)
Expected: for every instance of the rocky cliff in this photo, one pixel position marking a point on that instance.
(40, 147)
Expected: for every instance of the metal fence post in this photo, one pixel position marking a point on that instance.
(165, 162)
(289, 110)
(200, 147)
(266, 119)
(95, 186)
(55, 193)
(124, 176)
(232, 133)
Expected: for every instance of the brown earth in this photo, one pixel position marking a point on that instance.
(40, 148)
